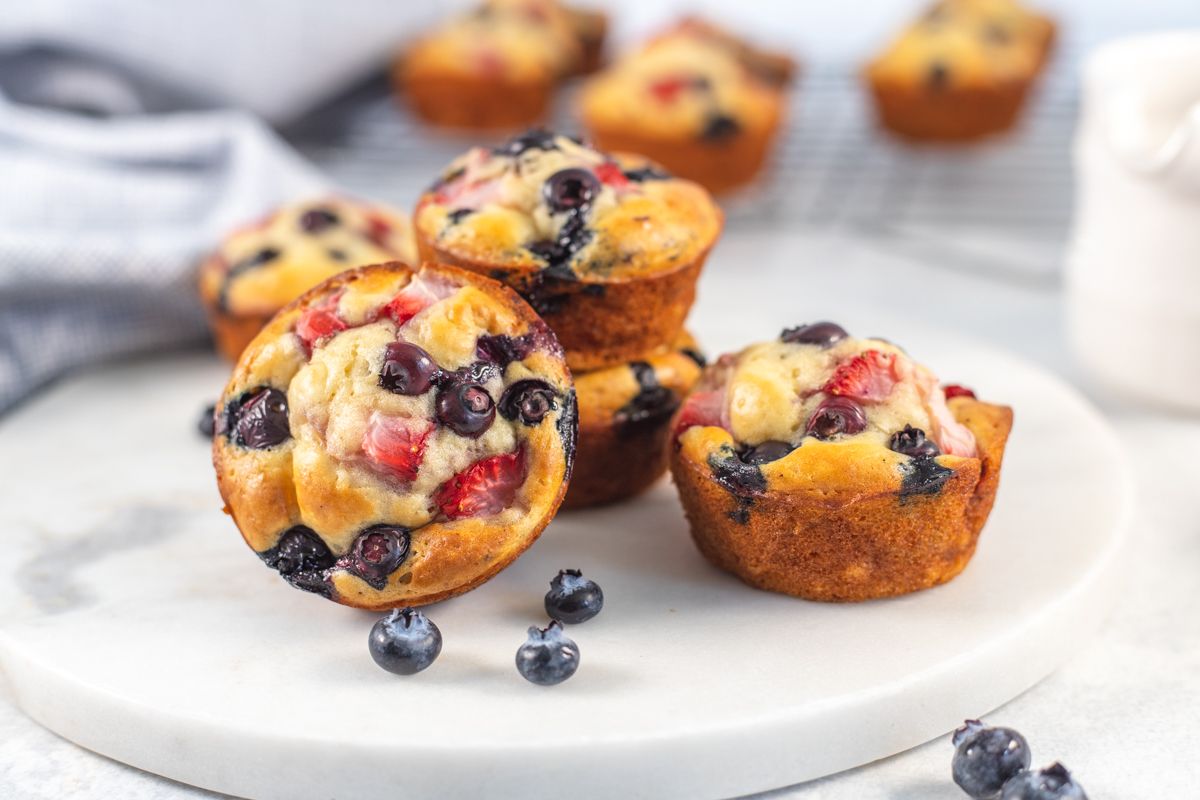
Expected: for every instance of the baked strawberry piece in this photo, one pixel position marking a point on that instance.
(835, 468)
(395, 437)
(606, 248)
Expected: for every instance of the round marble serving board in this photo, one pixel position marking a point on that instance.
(134, 621)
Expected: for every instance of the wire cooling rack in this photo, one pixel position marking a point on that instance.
(1001, 207)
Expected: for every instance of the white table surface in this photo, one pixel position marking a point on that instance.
(1121, 714)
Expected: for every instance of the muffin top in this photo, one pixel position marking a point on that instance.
(643, 393)
(262, 267)
(820, 409)
(513, 40)
(433, 406)
(546, 202)
(688, 82)
(966, 43)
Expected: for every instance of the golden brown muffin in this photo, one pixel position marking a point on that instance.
(396, 437)
(702, 103)
(494, 67)
(606, 249)
(834, 468)
(625, 423)
(262, 267)
(962, 71)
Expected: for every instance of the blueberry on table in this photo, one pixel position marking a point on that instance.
(1049, 783)
(986, 757)
(207, 424)
(548, 656)
(405, 642)
(573, 598)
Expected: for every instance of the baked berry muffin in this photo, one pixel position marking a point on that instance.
(591, 30)
(625, 422)
(700, 102)
(607, 249)
(961, 71)
(833, 468)
(495, 67)
(262, 267)
(395, 437)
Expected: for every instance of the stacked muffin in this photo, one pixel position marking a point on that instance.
(608, 250)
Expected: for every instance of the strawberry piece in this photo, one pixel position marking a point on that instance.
(870, 377)
(395, 446)
(667, 90)
(319, 323)
(611, 175)
(954, 390)
(703, 409)
(418, 295)
(486, 487)
(379, 230)
(489, 62)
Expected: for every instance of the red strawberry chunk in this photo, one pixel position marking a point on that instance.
(954, 390)
(319, 323)
(610, 174)
(703, 409)
(486, 487)
(378, 230)
(418, 295)
(667, 90)
(869, 376)
(396, 446)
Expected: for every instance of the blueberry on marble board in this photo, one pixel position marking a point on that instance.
(1049, 783)
(405, 642)
(548, 657)
(573, 598)
(986, 757)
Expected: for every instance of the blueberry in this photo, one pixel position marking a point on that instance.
(260, 420)
(465, 408)
(824, 334)
(720, 127)
(1049, 783)
(377, 552)
(573, 598)
(536, 139)
(528, 400)
(835, 416)
(570, 189)
(547, 657)
(302, 559)
(407, 369)
(766, 452)
(912, 442)
(405, 642)
(986, 757)
(643, 174)
(336, 254)
(938, 77)
(318, 219)
(459, 214)
(208, 422)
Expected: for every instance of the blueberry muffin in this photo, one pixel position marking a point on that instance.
(625, 422)
(962, 71)
(833, 468)
(607, 249)
(494, 67)
(695, 99)
(262, 267)
(395, 437)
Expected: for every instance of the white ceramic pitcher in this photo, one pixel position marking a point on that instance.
(1133, 266)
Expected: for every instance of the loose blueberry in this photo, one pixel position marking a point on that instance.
(405, 642)
(262, 420)
(573, 598)
(529, 140)
(912, 442)
(766, 452)
(317, 220)
(377, 552)
(407, 369)
(465, 408)
(207, 423)
(548, 656)
(570, 189)
(986, 757)
(823, 334)
(1049, 783)
(836, 415)
(528, 400)
(720, 127)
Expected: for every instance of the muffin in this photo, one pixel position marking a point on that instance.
(494, 67)
(591, 31)
(625, 423)
(262, 267)
(703, 104)
(606, 248)
(833, 468)
(396, 437)
(962, 71)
